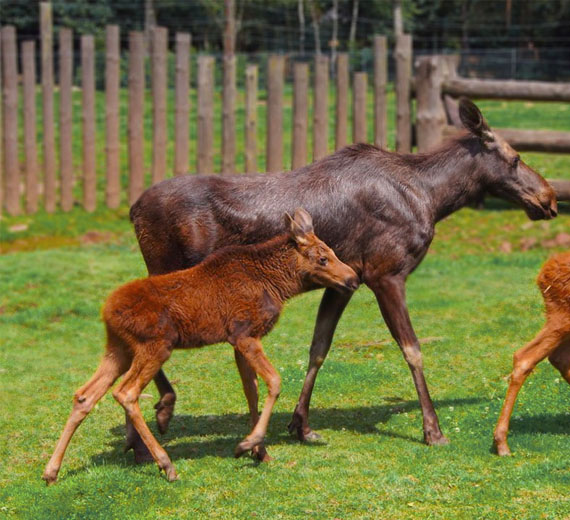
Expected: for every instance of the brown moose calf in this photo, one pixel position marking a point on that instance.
(553, 340)
(235, 295)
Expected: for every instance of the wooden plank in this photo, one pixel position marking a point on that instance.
(182, 95)
(159, 85)
(136, 115)
(112, 85)
(528, 140)
(46, 34)
(88, 107)
(274, 142)
(507, 89)
(380, 81)
(228, 115)
(359, 107)
(561, 188)
(10, 121)
(205, 158)
(30, 142)
(65, 117)
(300, 114)
(341, 112)
(430, 117)
(251, 74)
(321, 108)
(403, 77)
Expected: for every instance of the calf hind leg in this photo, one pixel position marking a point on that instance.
(524, 361)
(249, 382)
(560, 359)
(252, 351)
(83, 401)
(127, 394)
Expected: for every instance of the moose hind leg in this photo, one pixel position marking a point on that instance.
(83, 401)
(330, 310)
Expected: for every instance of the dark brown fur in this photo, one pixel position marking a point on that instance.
(375, 208)
(236, 295)
(553, 340)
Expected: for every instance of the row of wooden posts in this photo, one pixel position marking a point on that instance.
(52, 196)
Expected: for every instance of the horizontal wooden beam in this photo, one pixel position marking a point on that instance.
(507, 89)
(561, 188)
(529, 140)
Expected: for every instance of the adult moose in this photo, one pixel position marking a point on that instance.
(376, 209)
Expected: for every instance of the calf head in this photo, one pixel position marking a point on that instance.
(315, 260)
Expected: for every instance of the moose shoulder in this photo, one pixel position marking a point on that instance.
(376, 209)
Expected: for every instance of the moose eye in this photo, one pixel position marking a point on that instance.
(515, 162)
(323, 260)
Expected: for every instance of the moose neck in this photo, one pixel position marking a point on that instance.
(452, 176)
(274, 263)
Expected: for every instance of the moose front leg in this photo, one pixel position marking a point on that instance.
(330, 310)
(391, 295)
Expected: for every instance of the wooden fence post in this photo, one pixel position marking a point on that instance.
(341, 114)
(229, 115)
(321, 105)
(182, 95)
(430, 118)
(159, 85)
(46, 32)
(205, 160)
(30, 145)
(136, 115)
(112, 85)
(10, 121)
(88, 107)
(359, 134)
(65, 117)
(300, 114)
(403, 77)
(251, 119)
(380, 80)
(274, 142)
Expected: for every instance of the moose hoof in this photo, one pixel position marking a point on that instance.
(164, 411)
(310, 436)
(260, 453)
(436, 440)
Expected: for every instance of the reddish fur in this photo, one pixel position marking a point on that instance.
(235, 295)
(553, 340)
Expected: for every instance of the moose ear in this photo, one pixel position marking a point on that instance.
(300, 225)
(473, 120)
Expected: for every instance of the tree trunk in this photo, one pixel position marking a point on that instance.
(316, 28)
(352, 34)
(334, 39)
(301, 13)
(398, 24)
(149, 23)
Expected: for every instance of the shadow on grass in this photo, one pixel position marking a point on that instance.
(232, 428)
(544, 423)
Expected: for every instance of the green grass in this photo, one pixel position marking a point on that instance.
(471, 303)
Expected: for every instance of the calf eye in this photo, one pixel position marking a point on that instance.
(323, 260)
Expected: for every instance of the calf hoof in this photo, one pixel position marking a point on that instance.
(248, 444)
(436, 439)
(171, 475)
(304, 433)
(164, 411)
(502, 449)
(50, 477)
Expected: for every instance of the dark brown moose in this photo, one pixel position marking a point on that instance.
(236, 295)
(376, 209)
(553, 340)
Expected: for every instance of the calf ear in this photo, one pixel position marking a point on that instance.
(300, 225)
(473, 120)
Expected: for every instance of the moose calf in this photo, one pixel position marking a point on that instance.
(553, 340)
(235, 295)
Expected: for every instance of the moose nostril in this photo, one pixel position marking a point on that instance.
(352, 283)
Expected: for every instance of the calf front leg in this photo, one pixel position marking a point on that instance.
(330, 310)
(391, 296)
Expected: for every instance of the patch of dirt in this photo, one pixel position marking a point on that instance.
(96, 237)
(560, 240)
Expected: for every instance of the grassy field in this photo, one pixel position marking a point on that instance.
(473, 301)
